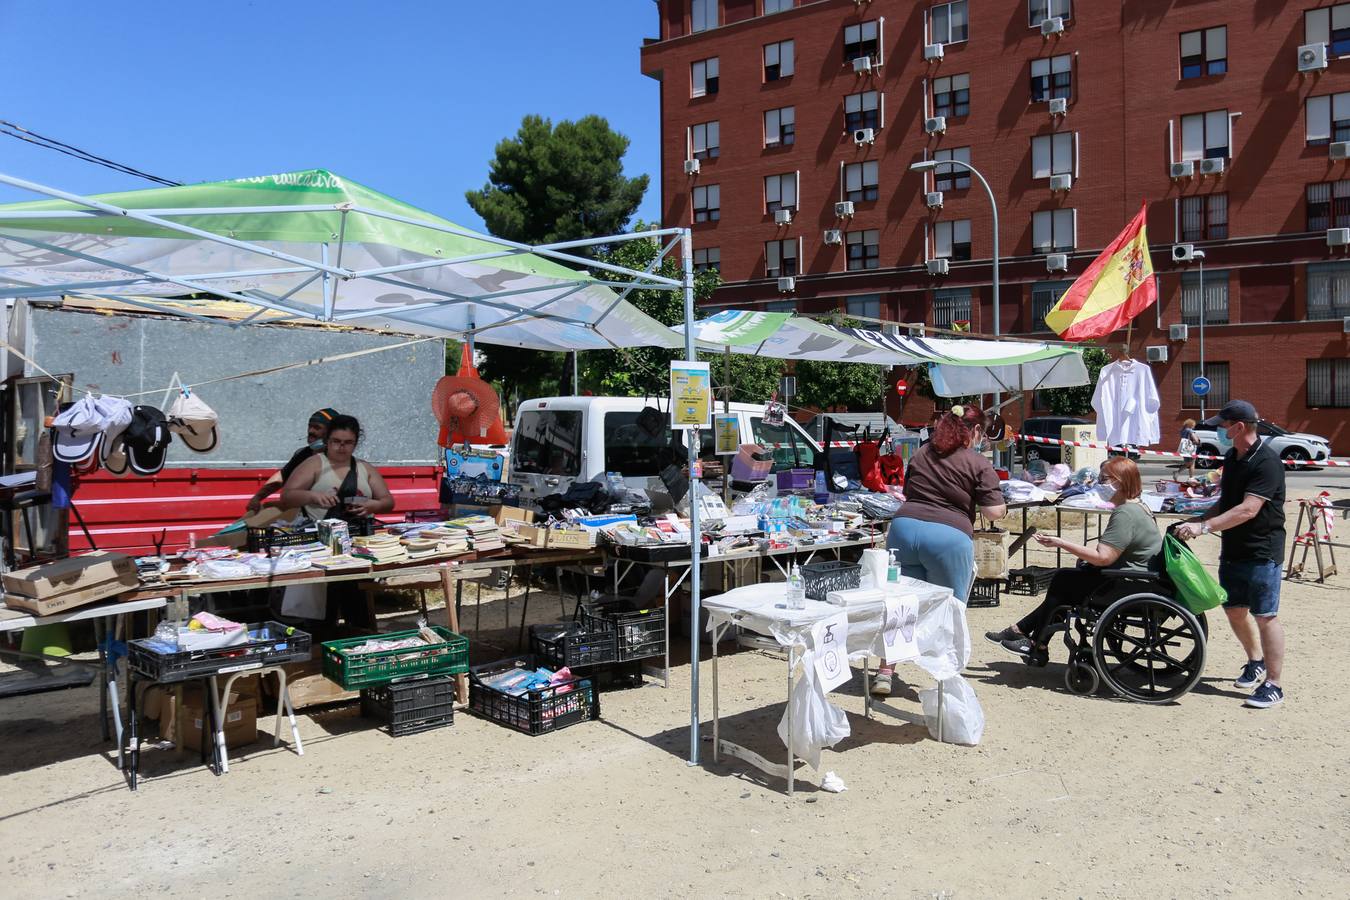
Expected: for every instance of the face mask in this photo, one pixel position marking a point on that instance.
(1225, 442)
(316, 446)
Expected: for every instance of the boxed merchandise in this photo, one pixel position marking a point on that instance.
(533, 535)
(241, 716)
(991, 554)
(512, 514)
(69, 583)
(571, 538)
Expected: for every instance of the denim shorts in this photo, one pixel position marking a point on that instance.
(1252, 584)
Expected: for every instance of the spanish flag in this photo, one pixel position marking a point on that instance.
(1113, 290)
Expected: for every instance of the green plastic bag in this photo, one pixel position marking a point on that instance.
(1196, 588)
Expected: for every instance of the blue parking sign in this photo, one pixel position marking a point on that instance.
(1200, 386)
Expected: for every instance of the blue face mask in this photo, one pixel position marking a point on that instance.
(317, 446)
(1225, 442)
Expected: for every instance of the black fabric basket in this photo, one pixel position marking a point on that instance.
(823, 577)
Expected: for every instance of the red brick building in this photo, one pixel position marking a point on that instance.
(1225, 118)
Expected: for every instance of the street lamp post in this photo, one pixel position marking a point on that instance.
(1199, 256)
(930, 164)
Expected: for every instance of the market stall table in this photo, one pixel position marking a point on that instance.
(942, 638)
(625, 560)
(98, 613)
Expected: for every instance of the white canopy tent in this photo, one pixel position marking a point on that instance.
(312, 245)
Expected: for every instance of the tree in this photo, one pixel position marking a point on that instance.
(854, 385)
(1077, 401)
(546, 185)
(550, 184)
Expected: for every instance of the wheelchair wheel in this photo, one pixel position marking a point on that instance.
(1148, 648)
(1081, 679)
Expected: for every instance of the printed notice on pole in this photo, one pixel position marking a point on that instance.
(727, 430)
(690, 395)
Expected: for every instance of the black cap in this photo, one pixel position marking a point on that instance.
(324, 416)
(1234, 411)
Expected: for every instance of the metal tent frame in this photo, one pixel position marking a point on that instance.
(333, 274)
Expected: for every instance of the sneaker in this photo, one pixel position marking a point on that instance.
(1266, 696)
(998, 637)
(1253, 673)
(881, 684)
(1021, 645)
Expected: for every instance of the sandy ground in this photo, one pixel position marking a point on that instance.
(1066, 796)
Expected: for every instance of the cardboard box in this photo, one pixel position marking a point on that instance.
(534, 535)
(308, 687)
(504, 514)
(241, 718)
(570, 539)
(69, 583)
(991, 554)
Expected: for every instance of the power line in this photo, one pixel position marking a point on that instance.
(14, 130)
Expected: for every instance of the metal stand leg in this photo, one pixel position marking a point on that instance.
(134, 748)
(792, 658)
(940, 696)
(217, 716)
(867, 687)
(717, 638)
(525, 613)
(100, 635)
(285, 700)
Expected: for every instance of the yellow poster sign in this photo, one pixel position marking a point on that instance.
(727, 430)
(690, 395)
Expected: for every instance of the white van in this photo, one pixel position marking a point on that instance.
(559, 440)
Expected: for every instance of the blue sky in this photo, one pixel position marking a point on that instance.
(406, 96)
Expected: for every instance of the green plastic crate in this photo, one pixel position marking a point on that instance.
(358, 670)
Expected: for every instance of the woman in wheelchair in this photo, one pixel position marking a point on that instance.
(1130, 541)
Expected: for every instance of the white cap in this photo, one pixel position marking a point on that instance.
(194, 422)
(76, 432)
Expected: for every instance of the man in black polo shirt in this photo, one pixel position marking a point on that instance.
(1250, 515)
(315, 435)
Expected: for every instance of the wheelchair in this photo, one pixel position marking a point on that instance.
(1132, 635)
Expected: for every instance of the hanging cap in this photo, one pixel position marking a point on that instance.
(147, 440)
(76, 431)
(194, 422)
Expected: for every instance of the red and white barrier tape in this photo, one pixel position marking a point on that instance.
(1163, 453)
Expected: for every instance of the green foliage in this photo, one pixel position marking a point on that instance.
(1077, 401)
(561, 183)
(549, 184)
(453, 352)
(854, 385)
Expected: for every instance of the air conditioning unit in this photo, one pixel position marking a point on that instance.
(1183, 252)
(843, 209)
(787, 285)
(1156, 353)
(833, 236)
(1183, 169)
(782, 217)
(1177, 332)
(1060, 183)
(939, 266)
(1338, 237)
(692, 166)
(1052, 26)
(935, 125)
(1339, 150)
(865, 136)
(1059, 106)
(933, 51)
(862, 65)
(1345, 325)
(934, 199)
(1212, 166)
(1057, 262)
(1312, 57)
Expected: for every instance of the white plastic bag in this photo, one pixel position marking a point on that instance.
(962, 715)
(816, 722)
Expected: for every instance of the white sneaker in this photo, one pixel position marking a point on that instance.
(881, 685)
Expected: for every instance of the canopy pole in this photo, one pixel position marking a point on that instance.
(726, 409)
(576, 387)
(695, 537)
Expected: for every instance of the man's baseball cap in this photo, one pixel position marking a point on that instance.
(324, 416)
(1234, 411)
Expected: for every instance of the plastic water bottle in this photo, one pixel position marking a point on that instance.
(796, 589)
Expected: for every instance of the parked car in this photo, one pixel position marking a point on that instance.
(877, 422)
(1291, 445)
(1046, 427)
(559, 440)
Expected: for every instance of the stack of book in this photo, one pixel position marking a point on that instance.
(379, 548)
(482, 531)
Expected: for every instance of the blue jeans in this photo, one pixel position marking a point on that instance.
(937, 554)
(1252, 584)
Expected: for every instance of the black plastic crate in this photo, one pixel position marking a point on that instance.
(573, 645)
(1031, 580)
(535, 712)
(984, 593)
(616, 676)
(830, 575)
(640, 633)
(408, 707)
(270, 644)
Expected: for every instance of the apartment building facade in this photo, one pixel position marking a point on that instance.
(789, 128)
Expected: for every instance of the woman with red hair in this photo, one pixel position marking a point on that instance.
(933, 534)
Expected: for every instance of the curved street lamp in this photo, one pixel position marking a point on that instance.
(930, 164)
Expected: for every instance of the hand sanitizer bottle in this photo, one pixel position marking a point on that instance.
(796, 589)
(893, 570)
